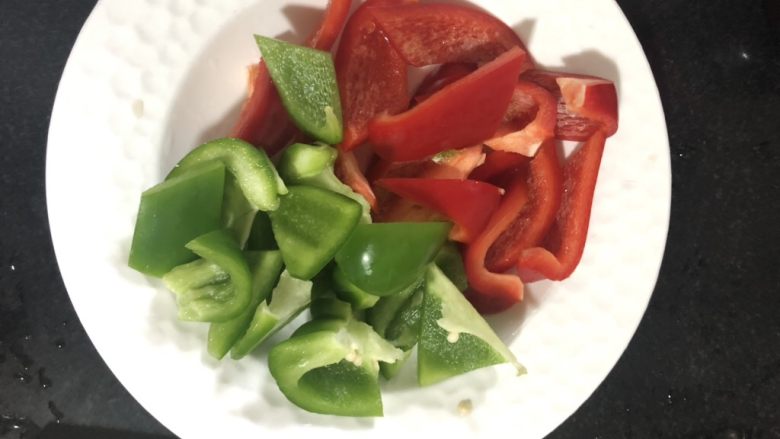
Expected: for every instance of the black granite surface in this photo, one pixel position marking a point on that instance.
(705, 362)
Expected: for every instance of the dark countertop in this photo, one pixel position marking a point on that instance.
(705, 362)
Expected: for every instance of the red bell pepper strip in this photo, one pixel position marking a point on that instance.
(461, 114)
(491, 292)
(442, 77)
(497, 164)
(586, 104)
(562, 251)
(525, 138)
(531, 224)
(446, 33)
(467, 203)
(347, 169)
(371, 75)
(263, 121)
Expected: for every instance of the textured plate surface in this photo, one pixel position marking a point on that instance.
(148, 80)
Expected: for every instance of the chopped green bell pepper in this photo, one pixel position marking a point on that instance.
(306, 81)
(216, 289)
(383, 259)
(261, 236)
(325, 304)
(173, 213)
(265, 267)
(350, 292)
(310, 225)
(288, 299)
(312, 165)
(237, 214)
(332, 367)
(450, 261)
(251, 167)
(454, 338)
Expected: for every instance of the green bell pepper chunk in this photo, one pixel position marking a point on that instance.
(237, 214)
(306, 81)
(312, 165)
(216, 289)
(383, 259)
(173, 213)
(261, 235)
(253, 171)
(325, 304)
(265, 267)
(454, 338)
(310, 225)
(350, 292)
(288, 299)
(450, 261)
(332, 367)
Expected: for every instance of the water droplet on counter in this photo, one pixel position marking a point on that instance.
(64, 323)
(23, 377)
(60, 343)
(43, 380)
(57, 413)
(18, 424)
(27, 337)
(12, 267)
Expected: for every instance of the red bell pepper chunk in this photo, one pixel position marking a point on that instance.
(526, 138)
(586, 104)
(564, 245)
(464, 113)
(491, 292)
(442, 77)
(347, 169)
(533, 221)
(429, 34)
(371, 75)
(263, 121)
(467, 203)
(497, 164)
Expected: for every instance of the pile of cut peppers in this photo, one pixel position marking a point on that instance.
(392, 214)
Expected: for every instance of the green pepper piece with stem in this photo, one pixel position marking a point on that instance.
(306, 81)
(312, 165)
(265, 267)
(173, 213)
(253, 171)
(454, 338)
(310, 225)
(332, 367)
(384, 258)
(288, 299)
(203, 295)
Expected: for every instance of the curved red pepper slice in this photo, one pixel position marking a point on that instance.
(263, 121)
(564, 245)
(491, 292)
(586, 104)
(446, 33)
(467, 203)
(461, 114)
(371, 75)
(347, 169)
(531, 224)
(526, 138)
(497, 164)
(442, 77)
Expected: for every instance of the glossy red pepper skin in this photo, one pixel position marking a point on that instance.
(519, 135)
(439, 33)
(371, 75)
(467, 203)
(533, 221)
(586, 104)
(263, 121)
(442, 77)
(464, 113)
(491, 292)
(498, 164)
(563, 247)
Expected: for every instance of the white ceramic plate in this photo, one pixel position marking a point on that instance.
(150, 79)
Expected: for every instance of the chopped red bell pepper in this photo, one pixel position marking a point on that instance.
(464, 113)
(467, 203)
(533, 221)
(263, 121)
(442, 77)
(563, 247)
(497, 164)
(491, 292)
(347, 169)
(586, 104)
(429, 34)
(526, 137)
(371, 75)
